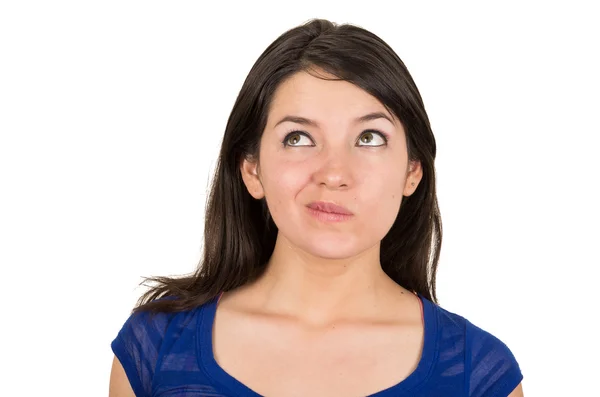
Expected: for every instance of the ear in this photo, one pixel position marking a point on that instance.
(250, 175)
(413, 177)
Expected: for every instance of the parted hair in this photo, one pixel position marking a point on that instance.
(239, 233)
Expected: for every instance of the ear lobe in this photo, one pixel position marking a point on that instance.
(249, 170)
(413, 177)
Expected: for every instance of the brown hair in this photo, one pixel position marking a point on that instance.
(239, 234)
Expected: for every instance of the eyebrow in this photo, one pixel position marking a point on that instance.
(358, 120)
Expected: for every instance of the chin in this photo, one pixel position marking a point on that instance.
(332, 248)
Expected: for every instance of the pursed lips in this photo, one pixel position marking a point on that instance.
(330, 208)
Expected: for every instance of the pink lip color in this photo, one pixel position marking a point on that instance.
(328, 212)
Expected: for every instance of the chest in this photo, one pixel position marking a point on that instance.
(280, 360)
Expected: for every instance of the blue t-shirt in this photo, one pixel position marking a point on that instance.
(171, 355)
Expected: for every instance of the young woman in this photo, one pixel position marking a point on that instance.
(322, 239)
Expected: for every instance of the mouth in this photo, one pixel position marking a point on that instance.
(329, 212)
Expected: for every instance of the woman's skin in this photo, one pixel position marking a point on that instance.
(324, 319)
(323, 271)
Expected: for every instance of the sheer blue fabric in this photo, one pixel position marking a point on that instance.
(170, 355)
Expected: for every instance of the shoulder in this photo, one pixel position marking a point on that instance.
(142, 340)
(494, 370)
(149, 329)
(156, 323)
(490, 367)
(148, 326)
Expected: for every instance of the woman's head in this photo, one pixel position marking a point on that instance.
(327, 113)
(327, 140)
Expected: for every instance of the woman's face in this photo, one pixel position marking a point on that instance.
(330, 141)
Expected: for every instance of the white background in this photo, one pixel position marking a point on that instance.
(111, 115)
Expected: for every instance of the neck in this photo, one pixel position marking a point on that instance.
(316, 289)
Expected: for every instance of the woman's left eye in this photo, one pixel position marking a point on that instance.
(368, 137)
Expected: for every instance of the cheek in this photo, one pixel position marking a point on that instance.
(282, 183)
(381, 179)
(379, 197)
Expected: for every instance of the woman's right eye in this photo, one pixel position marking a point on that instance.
(295, 138)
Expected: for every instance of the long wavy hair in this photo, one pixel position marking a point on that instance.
(239, 233)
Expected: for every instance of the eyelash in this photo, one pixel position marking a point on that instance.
(294, 132)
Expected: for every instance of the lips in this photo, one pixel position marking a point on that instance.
(329, 208)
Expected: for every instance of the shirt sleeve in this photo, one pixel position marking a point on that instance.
(137, 347)
(492, 369)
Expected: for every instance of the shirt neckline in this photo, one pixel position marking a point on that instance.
(207, 362)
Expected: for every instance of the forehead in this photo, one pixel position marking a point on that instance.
(306, 95)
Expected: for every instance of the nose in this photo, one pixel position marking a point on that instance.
(334, 171)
